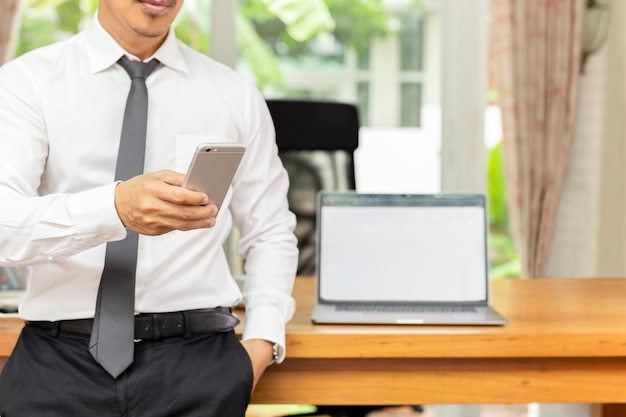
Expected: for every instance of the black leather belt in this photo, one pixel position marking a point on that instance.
(154, 326)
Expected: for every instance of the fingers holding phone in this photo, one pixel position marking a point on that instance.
(156, 203)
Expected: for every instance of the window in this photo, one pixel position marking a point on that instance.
(420, 83)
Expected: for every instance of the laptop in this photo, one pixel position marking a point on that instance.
(415, 259)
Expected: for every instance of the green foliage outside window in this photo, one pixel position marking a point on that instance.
(503, 255)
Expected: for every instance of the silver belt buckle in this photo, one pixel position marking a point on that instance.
(137, 340)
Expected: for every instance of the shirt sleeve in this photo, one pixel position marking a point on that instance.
(267, 242)
(36, 228)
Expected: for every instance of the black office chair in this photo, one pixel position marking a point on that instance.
(316, 142)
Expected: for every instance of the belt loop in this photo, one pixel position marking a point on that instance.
(54, 330)
(156, 326)
(187, 324)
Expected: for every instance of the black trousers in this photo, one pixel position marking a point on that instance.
(51, 375)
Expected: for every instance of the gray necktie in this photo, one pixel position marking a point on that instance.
(111, 341)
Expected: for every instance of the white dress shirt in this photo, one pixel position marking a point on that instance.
(61, 110)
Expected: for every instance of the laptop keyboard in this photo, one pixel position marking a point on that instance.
(402, 308)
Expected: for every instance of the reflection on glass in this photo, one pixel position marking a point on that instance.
(411, 43)
(410, 104)
(363, 102)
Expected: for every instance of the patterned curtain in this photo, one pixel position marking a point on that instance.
(536, 56)
(9, 24)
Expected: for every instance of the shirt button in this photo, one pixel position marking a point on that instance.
(105, 238)
(50, 258)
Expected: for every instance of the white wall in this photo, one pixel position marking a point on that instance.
(591, 227)
(611, 233)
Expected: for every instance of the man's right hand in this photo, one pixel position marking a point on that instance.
(156, 203)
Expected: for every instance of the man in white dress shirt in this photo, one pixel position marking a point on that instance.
(61, 110)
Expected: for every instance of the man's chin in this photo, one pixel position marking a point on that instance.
(150, 34)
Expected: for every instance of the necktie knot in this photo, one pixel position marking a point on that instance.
(137, 69)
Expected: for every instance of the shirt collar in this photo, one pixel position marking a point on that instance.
(104, 51)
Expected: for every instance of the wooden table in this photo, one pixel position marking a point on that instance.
(565, 342)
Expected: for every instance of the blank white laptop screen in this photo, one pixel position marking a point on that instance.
(402, 253)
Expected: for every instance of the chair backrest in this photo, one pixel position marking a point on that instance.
(316, 142)
(307, 125)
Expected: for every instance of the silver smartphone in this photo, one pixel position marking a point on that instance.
(212, 169)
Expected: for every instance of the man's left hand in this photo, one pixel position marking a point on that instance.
(260, 352)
